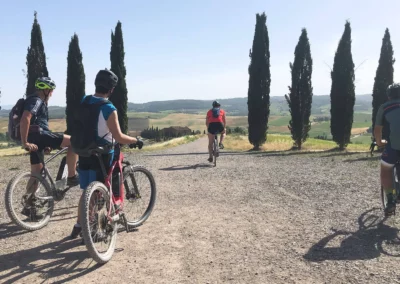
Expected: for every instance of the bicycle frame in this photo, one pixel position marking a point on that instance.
(117, 162)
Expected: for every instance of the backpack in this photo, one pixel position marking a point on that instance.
(215, 112)
(14, 120)
(84, 129)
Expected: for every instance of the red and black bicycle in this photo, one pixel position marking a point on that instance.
(126, 198)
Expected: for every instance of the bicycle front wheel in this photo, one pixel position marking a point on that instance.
(29, 201)
(140, 194)
(99, 233)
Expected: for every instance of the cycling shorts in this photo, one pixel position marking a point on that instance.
(44, 139)
(90, 169)
(389, 155)
(215, 127)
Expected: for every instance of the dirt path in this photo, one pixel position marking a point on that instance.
(255, 218)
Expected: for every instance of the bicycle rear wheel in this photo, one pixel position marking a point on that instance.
(29, 201)
(140, 195)
(215, 150)
(99, 233)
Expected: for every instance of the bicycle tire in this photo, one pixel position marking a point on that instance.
(153, 193)
(215, 150)
(86, 232)
(9, 207)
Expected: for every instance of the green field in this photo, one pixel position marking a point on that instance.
(276, 125)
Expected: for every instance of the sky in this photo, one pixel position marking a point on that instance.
(193, 49)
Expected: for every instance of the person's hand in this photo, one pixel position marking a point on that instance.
(381, 143)
(30, 147)
(139, 143)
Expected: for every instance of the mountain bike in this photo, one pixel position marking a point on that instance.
(104, 205)
(215, 148)
(40, 193)
(395, 176)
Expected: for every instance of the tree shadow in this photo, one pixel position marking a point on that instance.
(377, 158)
(221, 153)
(21, 264)
(191, 167)
(372, 239)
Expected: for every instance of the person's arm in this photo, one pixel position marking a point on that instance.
(115, 129)
(24, 131)
(378, 127)
(207, 121)
(224, 119)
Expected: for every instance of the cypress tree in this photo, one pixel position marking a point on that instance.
(75, 80)
(300, 92)
(259, 84)
(36, 58)
(383, 78)
(120, 95)
(342, 91)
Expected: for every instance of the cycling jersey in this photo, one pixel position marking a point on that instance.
(388, 115)
(219, 114)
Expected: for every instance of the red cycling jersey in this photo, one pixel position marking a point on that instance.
(212, 119)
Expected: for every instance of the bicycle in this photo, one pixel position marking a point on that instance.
(395, 176)
(32, 200)
(215, 148)
(108, 199)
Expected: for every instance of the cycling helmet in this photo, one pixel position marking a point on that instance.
(45, 83)
(393, 91)
(106, 79)
(216, 104)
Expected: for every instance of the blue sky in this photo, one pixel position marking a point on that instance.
(193, 49)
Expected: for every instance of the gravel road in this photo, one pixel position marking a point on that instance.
(255, 218)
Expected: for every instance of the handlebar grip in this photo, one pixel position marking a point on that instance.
(133, 145)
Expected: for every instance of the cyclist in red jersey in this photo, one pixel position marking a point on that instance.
(216, 123)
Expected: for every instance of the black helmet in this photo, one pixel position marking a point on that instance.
(393, 91)
(216, 104)
(106, 79)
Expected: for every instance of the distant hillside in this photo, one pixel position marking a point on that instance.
(235, 106)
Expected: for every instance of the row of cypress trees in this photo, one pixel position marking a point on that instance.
(300, 94)
(75, 90)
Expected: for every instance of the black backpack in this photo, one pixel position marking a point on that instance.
(14, 120)
(84, 128)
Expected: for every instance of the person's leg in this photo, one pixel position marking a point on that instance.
(72, 158)
(223, 133)
(389, 157)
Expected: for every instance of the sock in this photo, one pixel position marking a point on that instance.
(72, 177)
(77, 225)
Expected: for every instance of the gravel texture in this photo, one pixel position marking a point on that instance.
(255, 218)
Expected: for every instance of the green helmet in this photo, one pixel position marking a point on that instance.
(393, 91)
(45, 83)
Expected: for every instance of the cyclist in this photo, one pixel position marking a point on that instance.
(108, 131)
(388, 115)
(37, 137)
(216, 123)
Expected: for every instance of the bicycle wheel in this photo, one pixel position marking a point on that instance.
(215, 150)
(140, 194)
(35, 197)
(99, 233)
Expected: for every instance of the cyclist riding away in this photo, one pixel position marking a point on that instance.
(37, 137)
(216, 123)
(388, 115)
(107, 132)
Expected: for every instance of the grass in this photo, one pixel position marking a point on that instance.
(14, 151)
(276, 142)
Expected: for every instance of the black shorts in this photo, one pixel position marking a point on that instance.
(216, 127)
(44, 139)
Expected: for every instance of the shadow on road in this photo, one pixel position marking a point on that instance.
(222, 153)
(372, 239)
(375, 158)
(16, 266)
(8, 230)
(190, 167)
